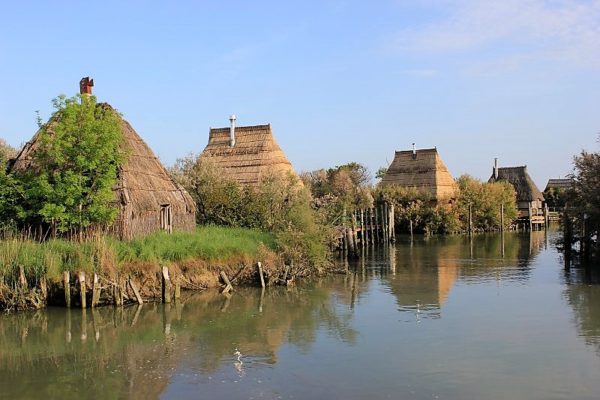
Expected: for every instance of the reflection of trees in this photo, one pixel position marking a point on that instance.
(130, 353)
(583, 295)
(420, 273)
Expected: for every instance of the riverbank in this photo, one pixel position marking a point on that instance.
(32, 274)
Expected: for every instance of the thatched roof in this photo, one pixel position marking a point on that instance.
(143, 183)
(422, 169)
(255, 153)
(560, 184)
(521, 181)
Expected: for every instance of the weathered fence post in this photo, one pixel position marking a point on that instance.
(82, 288)
(260, 274)
(135, 290)
(96, 290)
(502, 217)
(166, 285)
(67, 286)
(228, 286)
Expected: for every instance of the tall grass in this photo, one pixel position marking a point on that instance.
(50, 258)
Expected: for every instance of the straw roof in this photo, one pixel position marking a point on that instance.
(423, 170)
(560, 184)
(254, 155)
(521, 181)
(143, 182)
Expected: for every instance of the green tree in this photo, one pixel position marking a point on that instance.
(74, 166)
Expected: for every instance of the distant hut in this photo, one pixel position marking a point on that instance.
(530, 201)
(423, 170)
(149, 200)
(559, 184)
(246, 153)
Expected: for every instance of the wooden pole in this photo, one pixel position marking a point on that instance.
(166, 285)
(371, 225)
(135, 290)
(393, 223)
(530, 219)
(376, 223)
(260, 274)
(96, 291)
(470, 219)
(362, 228)
(502, 217)
(228, 286)
(67, 286)
(82, 288)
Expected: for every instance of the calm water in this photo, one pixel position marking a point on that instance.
(438, 319)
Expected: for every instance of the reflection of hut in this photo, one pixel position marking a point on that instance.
(148, 198)
(246, 153)
(529, 198)
(421, 169)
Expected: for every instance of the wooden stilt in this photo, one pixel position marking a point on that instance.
(82, 288)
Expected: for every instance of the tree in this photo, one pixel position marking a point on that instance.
(69, 185)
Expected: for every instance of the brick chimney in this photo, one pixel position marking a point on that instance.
(85, 86)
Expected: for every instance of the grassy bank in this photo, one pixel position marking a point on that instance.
(209, 244)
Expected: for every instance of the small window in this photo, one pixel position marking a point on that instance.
(166, 218)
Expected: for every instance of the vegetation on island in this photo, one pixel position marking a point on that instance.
(581, 220)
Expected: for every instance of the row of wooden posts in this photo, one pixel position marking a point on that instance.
(366, 227)
(169, 290)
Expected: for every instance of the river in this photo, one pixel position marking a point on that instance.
(497, 317)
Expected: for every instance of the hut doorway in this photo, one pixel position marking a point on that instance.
(166, 218)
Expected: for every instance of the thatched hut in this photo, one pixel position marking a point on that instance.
(559, 184)
(422, 169)
(149, 200)
(246, 153)
(529, 198)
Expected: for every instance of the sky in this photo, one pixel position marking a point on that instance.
(339, 81)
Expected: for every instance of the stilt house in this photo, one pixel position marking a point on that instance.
(530, 201)
(423, 170)
(148, 199)
(246, 153)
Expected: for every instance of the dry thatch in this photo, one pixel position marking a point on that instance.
(255, 154)
(559, 184)
(144, 187)
(422, 169)
(526, 189)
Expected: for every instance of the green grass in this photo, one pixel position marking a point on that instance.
(51, 258)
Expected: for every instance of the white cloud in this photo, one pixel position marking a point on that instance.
(512, 32)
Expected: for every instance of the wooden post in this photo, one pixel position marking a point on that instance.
(260, 274)
(228, 286)
(166, 285)
(411, 229)
(136, 292)
(96, 290)
(362, 228)
(44, 289)
(393, 223)
(82, 288)
(177, 290)
(376, 223)
(371, 225)
(502, 217)
(470, 219)
(67, 286)
(546, 216)
(530, 219)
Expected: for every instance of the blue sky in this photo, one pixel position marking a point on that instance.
(339, 81)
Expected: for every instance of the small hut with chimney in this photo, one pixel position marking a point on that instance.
(246, 153)
(148, 199)
(424, 170)
(530, 200)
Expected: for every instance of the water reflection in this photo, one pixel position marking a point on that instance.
(421, 272)
(133, 352)
(582, 293)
